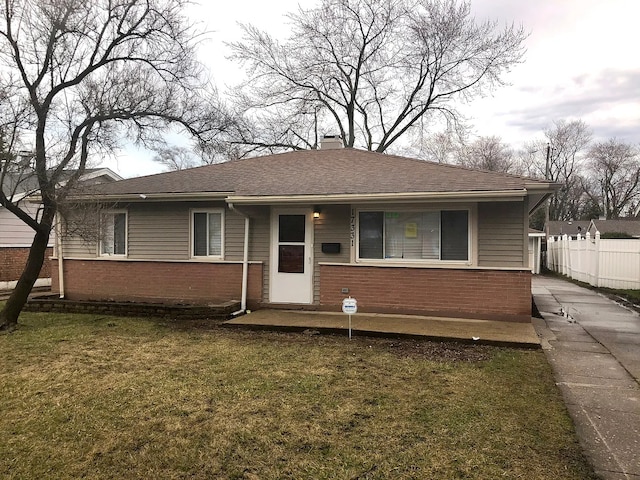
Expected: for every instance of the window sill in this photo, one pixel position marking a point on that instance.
(396, 262)
(444, 266)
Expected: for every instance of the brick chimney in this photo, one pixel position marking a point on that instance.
(330, 142)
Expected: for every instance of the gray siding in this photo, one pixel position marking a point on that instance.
(259, 239)
(259, 244)
(14, 232)
(259, 229)
(331, 227)
(500, 234)
(158, 231)
(80, 240)
(234, 235)
(78, 247)
(155, 231)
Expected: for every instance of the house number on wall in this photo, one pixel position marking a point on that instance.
(352, 227)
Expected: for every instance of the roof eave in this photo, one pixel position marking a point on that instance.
(485, 196)
(539, 192)
(151, 197)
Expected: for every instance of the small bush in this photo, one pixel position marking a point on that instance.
(616, 235)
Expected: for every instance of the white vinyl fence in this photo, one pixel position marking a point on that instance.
(612, 263)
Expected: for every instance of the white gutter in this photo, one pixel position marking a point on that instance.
(245, 263)
(60, 255)
(146, 197)
(380, 197)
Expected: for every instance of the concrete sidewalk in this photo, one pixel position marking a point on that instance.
(434, 328)
(593, 345)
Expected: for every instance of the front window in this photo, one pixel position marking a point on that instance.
(207, 228)
(113, 237)
(414, 235)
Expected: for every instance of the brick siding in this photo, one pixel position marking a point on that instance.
(483, 294)
(13, 260)
(462, 293)
(163, 282)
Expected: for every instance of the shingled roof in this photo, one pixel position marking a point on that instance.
(322, 172)
(567, 227)
(630, 226)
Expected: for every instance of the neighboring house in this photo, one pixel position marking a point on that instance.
(16, 236)
(629, 226)
(306, 229)
(571, 228)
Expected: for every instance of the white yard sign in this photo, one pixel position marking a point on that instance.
(350, 307)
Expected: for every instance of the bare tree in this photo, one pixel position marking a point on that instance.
(615, 176)
(440, 146)
(489, 153)
(86, 74)
(369, 70)
(176, 158)
(567, 143)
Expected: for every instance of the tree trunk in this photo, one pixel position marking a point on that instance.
(19, 296)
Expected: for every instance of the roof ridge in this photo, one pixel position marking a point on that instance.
(394, 155)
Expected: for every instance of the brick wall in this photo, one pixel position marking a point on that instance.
(484, 294)
(463, 293)
(13, 260)
(164, 282)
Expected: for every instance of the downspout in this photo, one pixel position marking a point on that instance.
(60, 256)
(245, 262)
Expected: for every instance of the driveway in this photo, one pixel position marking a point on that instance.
(593, 345)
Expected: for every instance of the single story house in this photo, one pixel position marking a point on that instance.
(628, 226)
(305, 229)
(571, 228)
(16, 236)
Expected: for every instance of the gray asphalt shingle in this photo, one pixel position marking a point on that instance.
(321, 172)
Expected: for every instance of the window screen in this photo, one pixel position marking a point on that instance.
(207, 234)
(455, 235)
(119, 233)
(113, 239)
(371, 234)
(414, 235)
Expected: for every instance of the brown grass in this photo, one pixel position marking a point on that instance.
(103, 397)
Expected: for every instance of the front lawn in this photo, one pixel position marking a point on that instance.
(105, 397)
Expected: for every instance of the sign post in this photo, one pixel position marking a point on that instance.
(350, 307)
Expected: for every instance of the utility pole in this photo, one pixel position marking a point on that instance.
(546, 177)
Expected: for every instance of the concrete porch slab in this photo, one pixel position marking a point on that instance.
(435, 328)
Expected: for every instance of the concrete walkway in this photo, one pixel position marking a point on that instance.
(595, 353)
(434, 328)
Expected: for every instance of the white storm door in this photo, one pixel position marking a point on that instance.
(291, 256)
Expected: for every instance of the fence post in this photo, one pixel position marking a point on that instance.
(559, 259)
(596, 267)
(577, 273)
(567, 241)
(588, 258)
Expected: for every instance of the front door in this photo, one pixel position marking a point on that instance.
(291, 256)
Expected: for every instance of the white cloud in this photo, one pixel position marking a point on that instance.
(579, 64)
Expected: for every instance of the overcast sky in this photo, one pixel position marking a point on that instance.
(582, 62)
